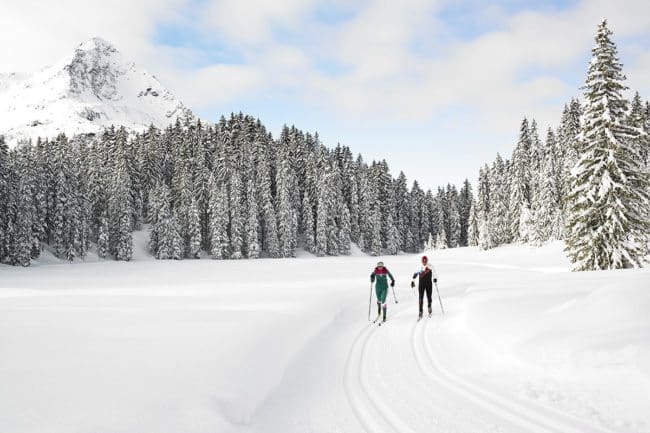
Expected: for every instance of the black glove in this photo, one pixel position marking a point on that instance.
(435, 280)
(392, 283)
(415, 275)
(413, 284)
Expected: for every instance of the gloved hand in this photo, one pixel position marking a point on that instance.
(414, 275)
(392, 283)
(435, 280)
(412, 284)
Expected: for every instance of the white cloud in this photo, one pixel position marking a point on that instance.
(380, 60)
(35, 33)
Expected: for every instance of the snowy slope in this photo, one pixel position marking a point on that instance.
(86, 91)
(284, 346)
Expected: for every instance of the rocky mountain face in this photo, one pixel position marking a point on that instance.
(82, 94)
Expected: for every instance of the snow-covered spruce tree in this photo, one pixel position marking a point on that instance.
(365, 197)
(308, 228)
(120, 212)
(441, 239)
(608, 204)
(547, 203)
(165, 240)
(464, 204)
(498, 212)
(25, 211)
(535, 161)
(193, 223)
(345, 231)
(269, 221)
(454, 223)
(102, 238)
(402, 205)
(322, 217)
(639, 119)
(236, 216)
(430, 244)
(374, 248)
(218, 217)
(567, 152)
(4, 196)
(483, 205)
(285, 212)
(520, 190)
(416, 223)
(252, 223)
(334, 216)
(472, 226)
(40, 197)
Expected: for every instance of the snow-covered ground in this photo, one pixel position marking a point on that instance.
(284, 346)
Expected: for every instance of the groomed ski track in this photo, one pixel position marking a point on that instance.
(438, 399)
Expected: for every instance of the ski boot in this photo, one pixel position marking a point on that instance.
(430, 311)
(420, 316)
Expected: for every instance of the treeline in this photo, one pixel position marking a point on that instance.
(587, 182)
(228, 190)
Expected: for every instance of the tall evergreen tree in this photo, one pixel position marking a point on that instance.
(608, 219)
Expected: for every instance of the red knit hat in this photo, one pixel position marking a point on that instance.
(425, 259)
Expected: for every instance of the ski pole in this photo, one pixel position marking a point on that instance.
(394, 297)
(439, 299)
(369, 302)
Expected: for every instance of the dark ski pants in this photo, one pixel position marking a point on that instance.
(429, 291)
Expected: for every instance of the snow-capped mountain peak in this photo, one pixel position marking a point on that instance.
(83, 93)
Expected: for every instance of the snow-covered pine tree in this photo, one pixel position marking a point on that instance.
(402, 205)
(547, 202)
(4, 196)
(102, 238)
(483, 205)
(252, 223)
(416, 222)
(464, 204)
(374, 248)
(430, 244)
(567, 151)
(638, 119)
(25, 211)
(472, 226)
(441, 239)
(120, 212)
(345, 231)
(269, 222)
(193, 230)
(535, 161)
(218, 218)
(285, 212)
(520, 188)
(236, 216)
(365, 199)
(608, 213)
(498, 211)
(322, 217)
(165, 241)
(308, 228)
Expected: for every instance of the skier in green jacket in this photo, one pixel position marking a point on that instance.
(380, 277)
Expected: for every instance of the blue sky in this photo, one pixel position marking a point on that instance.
(436, 87)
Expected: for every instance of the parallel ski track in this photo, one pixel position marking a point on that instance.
(525, 416)
(373, 414)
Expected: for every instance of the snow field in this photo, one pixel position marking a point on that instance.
(284, 345)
